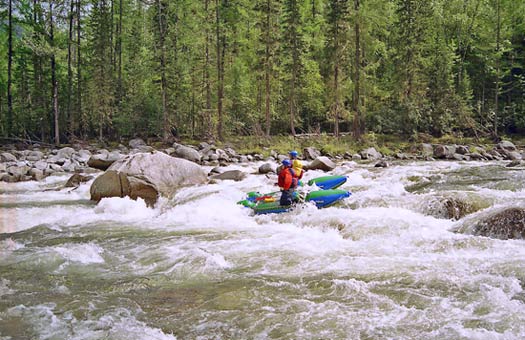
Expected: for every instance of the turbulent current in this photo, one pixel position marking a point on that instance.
(383, 264)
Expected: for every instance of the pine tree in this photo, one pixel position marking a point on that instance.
(337, 42)
(293, 49)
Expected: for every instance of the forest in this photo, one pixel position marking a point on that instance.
(110, 69)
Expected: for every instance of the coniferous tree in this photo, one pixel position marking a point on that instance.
(10, 68)
(337, 44)
(293, 46)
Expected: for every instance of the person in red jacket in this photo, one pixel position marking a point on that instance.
(287, 182)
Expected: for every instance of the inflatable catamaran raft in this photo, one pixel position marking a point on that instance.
(328, 195)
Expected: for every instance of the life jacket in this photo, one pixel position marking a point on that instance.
(287, 179)
(297, 167)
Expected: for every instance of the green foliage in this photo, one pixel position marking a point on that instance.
(426, 67)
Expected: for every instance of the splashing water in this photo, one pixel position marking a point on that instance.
(383, 264)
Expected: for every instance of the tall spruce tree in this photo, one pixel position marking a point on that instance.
(337, 42)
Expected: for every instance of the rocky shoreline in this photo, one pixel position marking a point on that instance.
(36, 162)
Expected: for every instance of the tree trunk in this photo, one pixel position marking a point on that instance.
(9, 70)
(207, 63)
(496, 99)
(39, 102)
(119, 55)
(357, 94)
(163, 81)
(69, 114)
(111, 38)
(79, 71)
(292, 102)
(54, 82)
(221, 40)
(267, 67)
(336, 104)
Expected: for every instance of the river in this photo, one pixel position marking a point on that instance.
(383, 264)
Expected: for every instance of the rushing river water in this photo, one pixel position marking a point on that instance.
(384, 264)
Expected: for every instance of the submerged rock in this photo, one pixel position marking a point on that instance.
(505, 224)
(146, 175)
(76, 179)
(455, 206)
(381, 164)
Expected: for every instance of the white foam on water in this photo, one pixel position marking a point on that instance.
(212, 207)
(81, 253)
(124, 209)
(65, 194)
(54, 217)
(53, 181)
(48, 323)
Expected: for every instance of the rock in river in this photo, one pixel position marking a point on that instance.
(504, 224)
(147, 175)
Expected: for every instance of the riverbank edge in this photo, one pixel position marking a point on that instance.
(23, 161)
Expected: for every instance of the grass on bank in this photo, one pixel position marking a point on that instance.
(387, 145)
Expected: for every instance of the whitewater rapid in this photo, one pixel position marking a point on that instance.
(383, 264)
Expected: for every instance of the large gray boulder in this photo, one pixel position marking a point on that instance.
(18, 170)
(185, 152)
(66, 152)
(506, 145)
(34, 156)
(40, 165)
(136, 143)
(426, 149)
(504, 224)
(266, 168)
(321, 163)
(512, 155)
(147, 175)
(233, 175)
(370, 153)
(7, 157)
(311, 153)
(444, 151)
(82, 156)
(103, 161)
(462, 149)
(36, 174)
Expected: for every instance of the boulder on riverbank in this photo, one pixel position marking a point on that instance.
(103, 161)
(233, 175)
(147, 175)
(321, 163)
